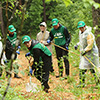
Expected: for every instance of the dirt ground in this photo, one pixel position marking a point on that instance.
(53, 82)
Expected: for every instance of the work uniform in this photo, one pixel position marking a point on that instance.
(10, 48)
(61, 38)
(38, 50)
(87, 43)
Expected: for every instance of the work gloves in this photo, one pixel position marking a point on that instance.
(48, 41)
(19, 47)
(66, 46)
(76, 46)
(31, 71)
(18, 52)
(27, 54)
(83, 52)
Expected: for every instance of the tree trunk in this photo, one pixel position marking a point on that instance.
(44, 11)
(96, 21)
(1, 21)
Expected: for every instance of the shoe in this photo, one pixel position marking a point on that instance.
(16, 76)
(46, 90)
(65, 77)
(81, 85)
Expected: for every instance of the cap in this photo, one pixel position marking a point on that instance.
(25, 38)
(54, 21)
(11, 28)
(80, 24)
(43, 24)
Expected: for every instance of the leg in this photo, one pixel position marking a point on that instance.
(95, 76)
(51, 69)
(82, 78)
(44, 82)
(66, 62)
(59, 58)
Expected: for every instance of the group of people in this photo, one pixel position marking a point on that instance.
(41, 50)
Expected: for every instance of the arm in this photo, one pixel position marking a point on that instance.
(67, 36)
(44, 41)
(36, 53)
(90, 41)
(9, 46)
(51, 36)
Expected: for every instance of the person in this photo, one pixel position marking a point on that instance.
(39, 52)
(89, 49)
(3, 58)
(61, 37)
(11, 43)
(42, 37)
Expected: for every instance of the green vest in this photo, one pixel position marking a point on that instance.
(12, 39)
(43, 48)
(59, 36)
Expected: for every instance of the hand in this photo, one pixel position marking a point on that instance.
(83, 53)
(27, 54)
(48, 41)
(5, 61)
(31, 71)
(17, 52)
(19, 47)
(76, 46)
(66, 47)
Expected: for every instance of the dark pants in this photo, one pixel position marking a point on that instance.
(62, 53)
(82, 74)
(42, 71)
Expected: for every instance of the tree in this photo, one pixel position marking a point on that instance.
(96, 21)
(1, 21)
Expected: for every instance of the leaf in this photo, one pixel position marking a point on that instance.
(96, 5)
(67, 2)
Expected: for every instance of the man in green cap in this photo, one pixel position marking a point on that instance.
(88, 48)
(11, 43)
(61, 37)
(41, 67)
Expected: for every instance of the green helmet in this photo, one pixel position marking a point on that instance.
(80, 24)
(25, 38)
(11, 28)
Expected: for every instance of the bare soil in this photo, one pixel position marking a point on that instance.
(20, 84)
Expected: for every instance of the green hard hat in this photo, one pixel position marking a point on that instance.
(11, 28)
(25, 38)
(80, 24)
(54, 21)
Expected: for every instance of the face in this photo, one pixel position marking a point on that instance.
(82, 29)
(42, 28)
(11, 32)
(28, 44)
(56, 26)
